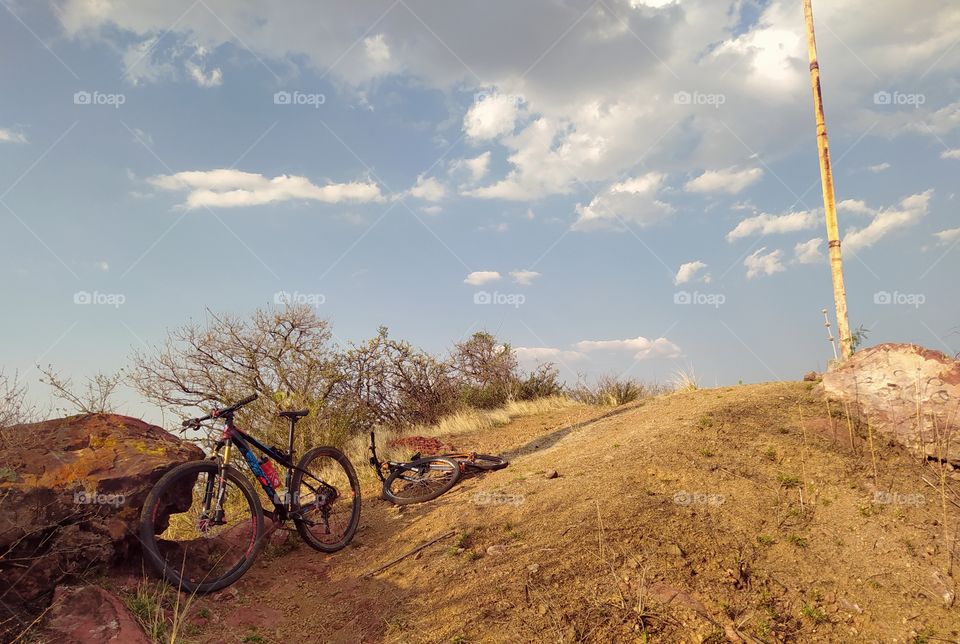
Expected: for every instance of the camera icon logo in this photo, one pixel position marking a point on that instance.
(682, 297)
(882, 98)
(482, 297)
(682, 98)
(82, 297)
(882, 297)
(81, 98)
(282, 98)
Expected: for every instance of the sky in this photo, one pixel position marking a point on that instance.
(625, 187)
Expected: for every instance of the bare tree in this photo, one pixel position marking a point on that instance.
(486, 370)
(94, 398)
(14, 408)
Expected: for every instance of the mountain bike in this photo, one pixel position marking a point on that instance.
(416, 480)
(202, 525)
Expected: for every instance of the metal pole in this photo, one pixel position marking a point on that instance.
(826, 180)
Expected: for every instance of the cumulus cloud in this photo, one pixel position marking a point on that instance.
(491, 116)
(641, 347)
(765, 224)
(479, 278)
(524, 277)
(690, 272)
(808, 252)
(948, 236)
(950, 154)
(227, 188)
(763, 263)
(885, 221)
(11, 136)
(428, 189)
(475, 168)
(878, 168)
(729, 181)
(634, 201)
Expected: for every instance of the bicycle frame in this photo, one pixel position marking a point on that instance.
(233, 436)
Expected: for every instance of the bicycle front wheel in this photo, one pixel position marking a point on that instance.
(421, 480)
(199, 531)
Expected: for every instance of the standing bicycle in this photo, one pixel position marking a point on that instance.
(202, 525)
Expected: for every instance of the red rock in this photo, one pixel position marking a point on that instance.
(886, 383)
(91, 615)
(72, 503)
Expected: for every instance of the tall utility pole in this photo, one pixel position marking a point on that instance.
(829, 200)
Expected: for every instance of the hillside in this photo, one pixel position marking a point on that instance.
(703, 516)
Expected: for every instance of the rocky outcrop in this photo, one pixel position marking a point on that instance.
(91, 615)
(906, 391)
(71, 490)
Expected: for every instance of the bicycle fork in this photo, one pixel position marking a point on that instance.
(214, 495)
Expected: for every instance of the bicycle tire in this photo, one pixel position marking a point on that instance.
(419, 488)
(303, 528)
(483, 462)
(149, 525)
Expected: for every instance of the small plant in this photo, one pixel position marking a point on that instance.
(858, 337)
(813, 613)
(203, 613)
(770, 454)
(705, 452)
(685, 380)
(254, 638)
(765, 540)
(788, 480)
(797, 540)
(704, 421)
(473, 555)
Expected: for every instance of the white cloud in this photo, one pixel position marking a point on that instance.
(428, 189)
(476, 168)
(808, 252)
(641, 347)
(947, 236)
(524, 277)
(227, 188)
(689, 272)
(763, 264)
(908, 212)
(212, 78)
(634, 201)
(479, 278)
(880, 167)
(432, 210)
(764, 224)
(547, 354)
(856, 206)
(10, 136)
(950, 154)
(491, 116)
(729, 181)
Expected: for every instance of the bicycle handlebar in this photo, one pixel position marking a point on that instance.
(219, 413)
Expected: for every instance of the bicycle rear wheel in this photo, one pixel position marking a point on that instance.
(421, 480)
(199, 531)
(327, 496)
(483, 462)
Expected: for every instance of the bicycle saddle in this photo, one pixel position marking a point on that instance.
(294, 413)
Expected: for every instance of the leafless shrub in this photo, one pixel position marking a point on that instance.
(94, 398)
(615, 391)
(14, 408)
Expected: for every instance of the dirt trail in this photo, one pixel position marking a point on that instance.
(685, 517)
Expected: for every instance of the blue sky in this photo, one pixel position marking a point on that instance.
(616, 186)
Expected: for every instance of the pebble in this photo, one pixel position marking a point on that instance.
(533, 568)
(497, 549)
(551, 474)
